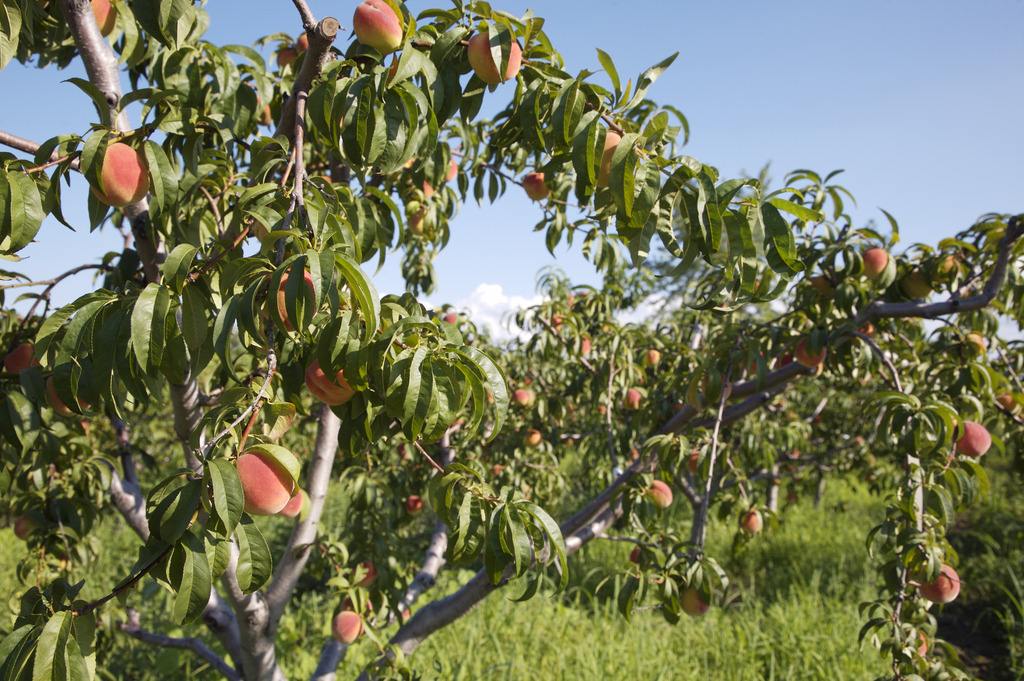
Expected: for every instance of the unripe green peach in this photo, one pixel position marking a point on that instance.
(916, 286)
(266, 485)
(124, 176)
(482, 61)
(376, 25)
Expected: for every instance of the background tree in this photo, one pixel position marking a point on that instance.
(238, 327)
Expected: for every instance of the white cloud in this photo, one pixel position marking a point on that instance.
(489, 306)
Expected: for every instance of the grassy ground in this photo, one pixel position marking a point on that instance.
(797, 617)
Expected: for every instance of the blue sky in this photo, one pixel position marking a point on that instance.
(920, 102)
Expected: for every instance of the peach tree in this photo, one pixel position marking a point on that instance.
(235, 361)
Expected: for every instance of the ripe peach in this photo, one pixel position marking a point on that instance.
(20, 358)
(752, 523)
(922, 648)
(376, 25)
(296, 506)
(523, 397)
(805, 356)
(974, 441)
(308, 297)
(105, 14)
(124, 176)
(632, 399)
(634, 555)
(652, 357)
(585, 346)
(329, 391)
(413, 504)
(875, 261)
(822, 285)
(482, 61)
(266, 485)
(451, 317)
(977, 344)
(286, 55)
(1007, 402)
(693, 603)
(533, 438)
(944, 589)
(428, 189)
(453, 170)
(497, 469)
(602, 409)
(535, 186)
(347, 627)
(23, 526)
(693, 462)
(302, 43)
(54, 399)
(611, 143)
(266, 115)
(370, 574)
(660, 493)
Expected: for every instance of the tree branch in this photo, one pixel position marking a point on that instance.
(197, 646)
(293, 562)
(319, 53)
(30, 147)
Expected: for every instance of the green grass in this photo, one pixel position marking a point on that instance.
(796, 618)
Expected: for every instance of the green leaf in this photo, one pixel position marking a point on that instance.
(647, 79)
(163, 186)
(802, 213)
(254, 562)
(228, 499)
(178, 265)
(609, 67)
(149, 324)
(363, 291)
(194, 580)
(496, 384)
(58, 657)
